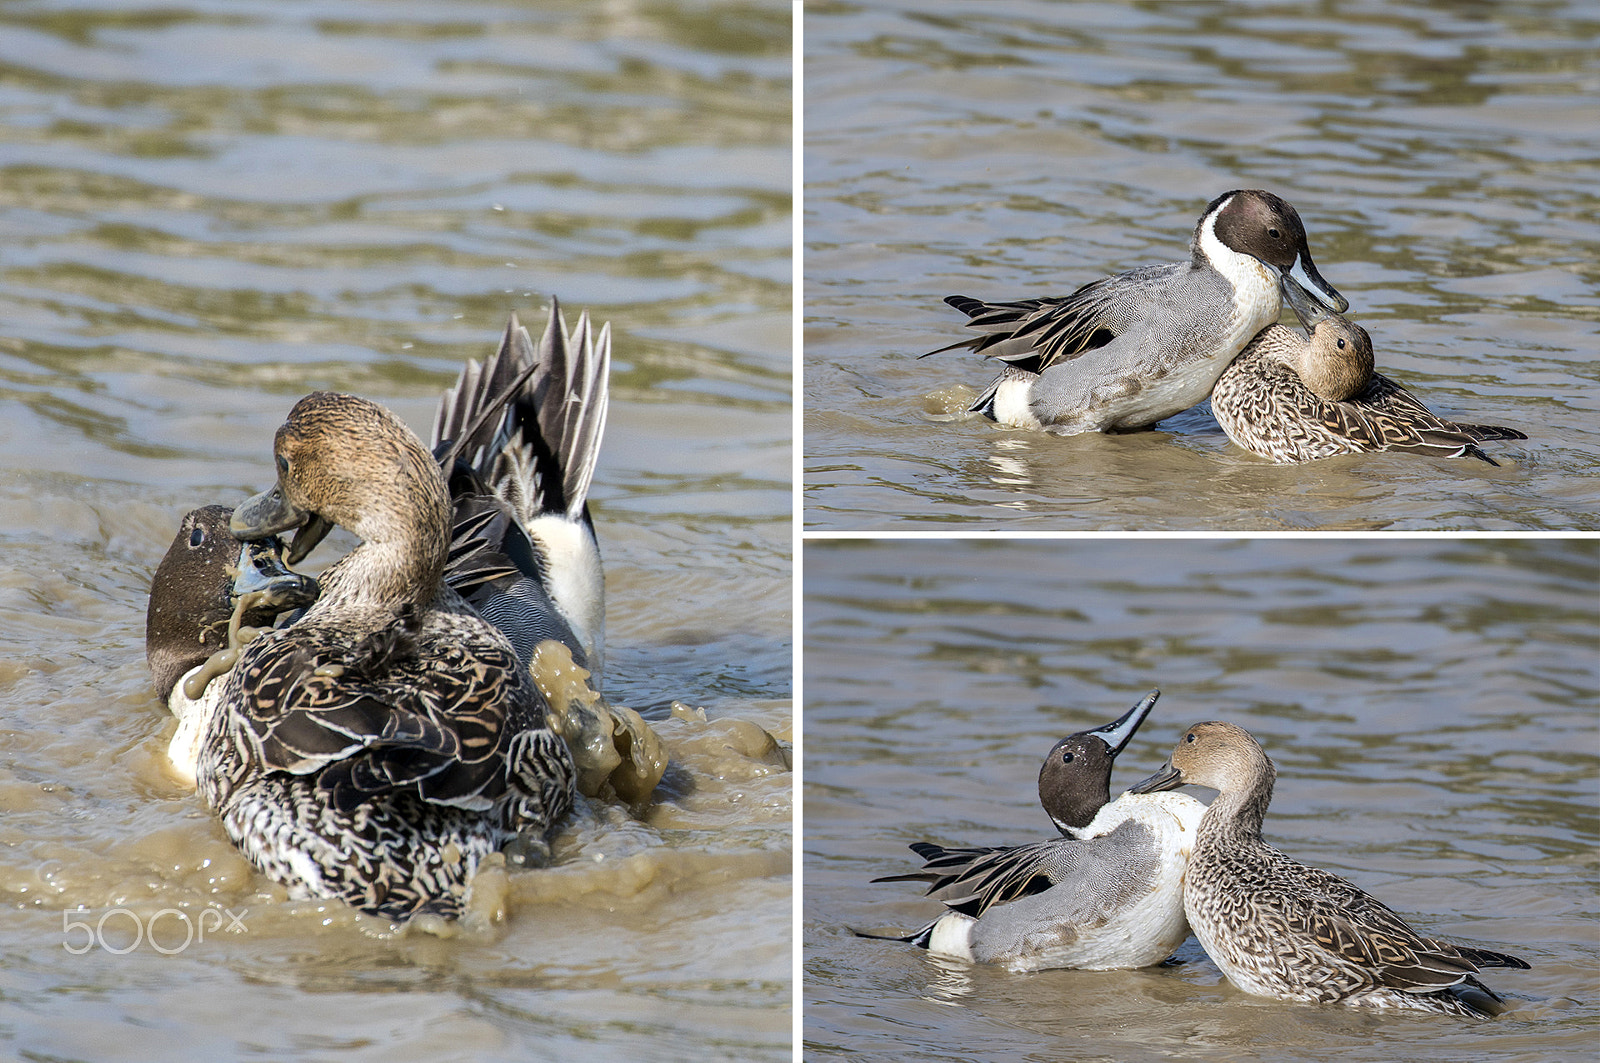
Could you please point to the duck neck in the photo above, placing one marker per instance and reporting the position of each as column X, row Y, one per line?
column 402, row 556
column 390, row 573
column 1257, row 297
column 1280, row 345
column 1235, row 817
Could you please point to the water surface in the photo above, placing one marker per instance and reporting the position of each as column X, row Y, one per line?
column 1430, row 706
column 211, row 209
column 1445, row 158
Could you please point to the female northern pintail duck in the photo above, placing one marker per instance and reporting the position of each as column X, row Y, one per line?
column 523, row 548
column 378, row 748
column 1126, row 351
column 1292, row 397
column 1279, row 928
column 209, row 594
column 1108, row 894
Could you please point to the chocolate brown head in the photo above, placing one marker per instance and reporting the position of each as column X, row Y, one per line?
column 193, row 593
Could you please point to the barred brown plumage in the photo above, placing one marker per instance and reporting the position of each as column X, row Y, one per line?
column 381, row 727
column 1278, row 399
column 1280, row 928
column 378, row 747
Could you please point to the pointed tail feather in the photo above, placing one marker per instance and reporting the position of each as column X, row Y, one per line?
column 519, row 437
column 1483, row 432
column 536, row 445
column 919, row 938
column 572, row 402
column 1488, row 958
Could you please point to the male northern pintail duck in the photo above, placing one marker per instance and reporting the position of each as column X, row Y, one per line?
column 1279, row 928
column 1125, row 351
column 1108, row 894
column 518, row 438
column 209, row 593
column 1292, row 397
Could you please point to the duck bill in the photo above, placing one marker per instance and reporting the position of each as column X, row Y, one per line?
column 1306, row 307
column 1118, row 734
column 265, row 514
column 270, row 513
column 312, row 532
column 262, row 572
column 1308, row 295
column 1168, row 778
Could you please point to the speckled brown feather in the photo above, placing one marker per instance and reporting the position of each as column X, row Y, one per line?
column 391, row 722
column 1286, row 929
column 1265, row 405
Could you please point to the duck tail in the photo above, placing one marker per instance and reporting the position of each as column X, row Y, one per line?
column 1476, row 999
column 984, row 403
column 919, row 938
column 529, row 421
column 1482, row 432
column 519, row 437
column 1489, row 958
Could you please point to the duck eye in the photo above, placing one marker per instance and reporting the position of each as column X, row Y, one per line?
column 1274, row 233
column 1341, row 344
column 283, row 464
column 1189, row 737
column 1066, row 758
column 197, row 536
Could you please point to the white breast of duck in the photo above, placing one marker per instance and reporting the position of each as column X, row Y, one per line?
column 1151, row 925
column 1126, row 912
column 1171, row 385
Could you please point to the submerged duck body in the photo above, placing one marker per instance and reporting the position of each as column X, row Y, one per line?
column 1280, row 928
column 1126, row 351
column 377, row 749
column 1105, row 895
column 1290, row 397
column 209, row 594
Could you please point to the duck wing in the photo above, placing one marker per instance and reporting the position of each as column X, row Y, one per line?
column 383, row 716
column 1387, row 417
column 1368, row 943
column 1388, row 397
column 973, row 880
column 1034, row 334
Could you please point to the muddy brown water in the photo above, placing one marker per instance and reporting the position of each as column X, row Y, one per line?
column 1445, row 158
column 1430, row 706
column 207, row 211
